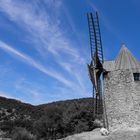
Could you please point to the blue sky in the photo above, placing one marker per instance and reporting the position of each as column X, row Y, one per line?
column 44, row 45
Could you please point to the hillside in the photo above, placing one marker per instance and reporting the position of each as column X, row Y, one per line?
column 39, row 110
column 57, row 119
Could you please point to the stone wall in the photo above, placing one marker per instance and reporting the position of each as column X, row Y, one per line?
column 122, row 99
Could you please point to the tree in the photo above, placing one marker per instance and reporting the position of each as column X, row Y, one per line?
column 20, row 133
column 50, row 124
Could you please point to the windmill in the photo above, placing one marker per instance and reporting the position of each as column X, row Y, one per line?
column 96, row 67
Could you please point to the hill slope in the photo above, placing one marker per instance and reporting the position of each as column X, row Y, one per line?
column 66, row 117
column 39, row 110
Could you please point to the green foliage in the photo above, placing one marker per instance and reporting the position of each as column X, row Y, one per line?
column 11, row 104
column 21, row 134
column 79, row 122
column 57, row 119
column 48, row 124
column 70, row 121
column 9, row 125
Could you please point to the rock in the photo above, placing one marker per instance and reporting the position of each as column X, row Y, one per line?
column 104, row 132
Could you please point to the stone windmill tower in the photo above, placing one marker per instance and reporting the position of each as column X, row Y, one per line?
column 122, row 90
column 116, row 83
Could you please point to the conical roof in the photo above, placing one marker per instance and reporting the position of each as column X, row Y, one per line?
column 126, row 60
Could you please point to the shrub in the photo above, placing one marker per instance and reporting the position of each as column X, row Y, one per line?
column 49, row 125
column 20, row 133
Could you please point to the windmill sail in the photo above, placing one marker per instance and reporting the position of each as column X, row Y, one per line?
column 96, row 66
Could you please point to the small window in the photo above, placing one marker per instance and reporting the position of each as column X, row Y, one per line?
column 136, row 76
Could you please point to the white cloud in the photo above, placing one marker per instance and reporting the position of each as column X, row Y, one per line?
column 33, row 63
column 43, row 27
column 40, row 19
column 39, row 24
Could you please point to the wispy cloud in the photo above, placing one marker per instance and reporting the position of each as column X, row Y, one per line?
column 46, row 34
column 33, row 63
column 42, row 24
column 30, row 91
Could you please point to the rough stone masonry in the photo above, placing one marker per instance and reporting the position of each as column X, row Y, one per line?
column 122, row 91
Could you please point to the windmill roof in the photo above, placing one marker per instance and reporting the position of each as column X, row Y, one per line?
column 125, row 60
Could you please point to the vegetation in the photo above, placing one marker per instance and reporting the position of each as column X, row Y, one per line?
column 22, row 134
column 58, row 119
